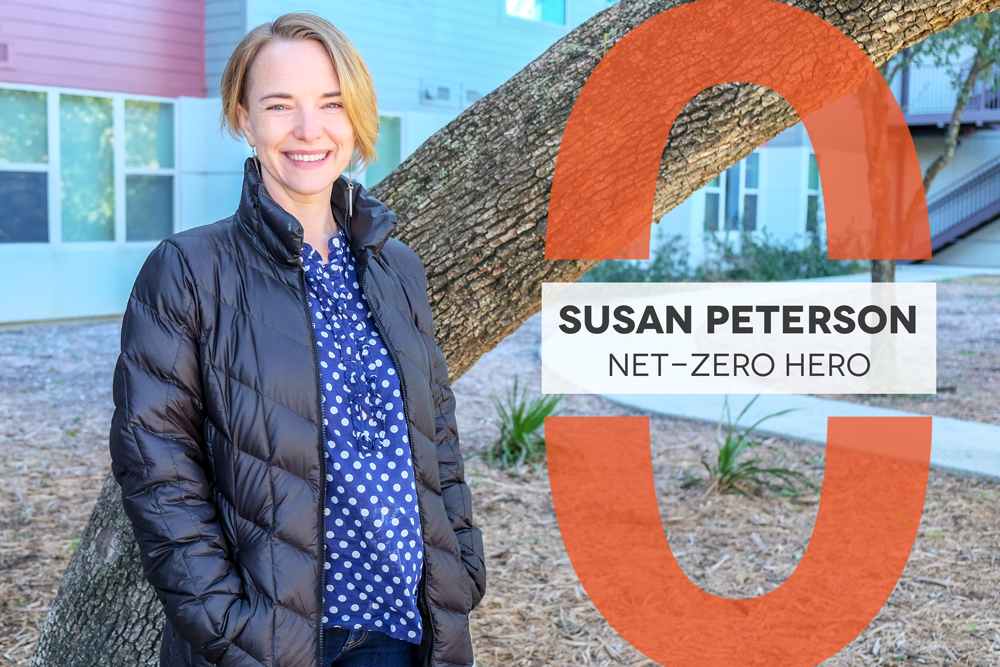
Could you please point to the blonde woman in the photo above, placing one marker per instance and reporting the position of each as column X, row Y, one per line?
column 284, row 432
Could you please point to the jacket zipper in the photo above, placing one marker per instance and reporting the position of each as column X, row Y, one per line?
column 322, row 465
column 421, row 594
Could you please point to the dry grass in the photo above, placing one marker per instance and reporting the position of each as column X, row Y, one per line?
column 55, row 407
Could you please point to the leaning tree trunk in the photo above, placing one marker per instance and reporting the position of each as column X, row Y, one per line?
column 472, row 202
column 951, row 136
column 884, row 270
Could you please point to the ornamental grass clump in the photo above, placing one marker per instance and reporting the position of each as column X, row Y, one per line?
column 749, row 477
column 520, row 421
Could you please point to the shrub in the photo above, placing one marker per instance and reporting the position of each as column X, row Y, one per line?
column 728, row 474
column 520, row 420
column 752, row 256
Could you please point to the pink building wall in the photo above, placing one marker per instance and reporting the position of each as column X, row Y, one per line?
column 148, row 47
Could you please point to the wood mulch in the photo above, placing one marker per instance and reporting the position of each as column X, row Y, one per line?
column 55, row 408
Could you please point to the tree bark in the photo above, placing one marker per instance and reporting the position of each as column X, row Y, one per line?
column 883, row 270
column 472, row 202
column 105, row 612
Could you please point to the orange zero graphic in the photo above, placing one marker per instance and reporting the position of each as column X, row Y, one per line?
column 601, row 207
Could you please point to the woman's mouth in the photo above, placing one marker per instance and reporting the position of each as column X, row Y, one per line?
column 307, row 157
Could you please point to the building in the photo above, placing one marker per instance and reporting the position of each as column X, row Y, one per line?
column 777, row 187
column 109, row 119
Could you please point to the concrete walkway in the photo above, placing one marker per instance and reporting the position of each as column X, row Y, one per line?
column 963, row 447
column 916, row 273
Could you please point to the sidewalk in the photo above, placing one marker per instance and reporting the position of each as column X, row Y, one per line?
column 915, row 273
column 963, row 447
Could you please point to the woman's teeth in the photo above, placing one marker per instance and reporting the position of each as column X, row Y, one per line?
column 307, row 158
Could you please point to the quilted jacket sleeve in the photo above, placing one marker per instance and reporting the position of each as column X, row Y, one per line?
column 158, row 458
column 454, row 491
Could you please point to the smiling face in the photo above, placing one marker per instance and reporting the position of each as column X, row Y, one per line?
column 294, row 116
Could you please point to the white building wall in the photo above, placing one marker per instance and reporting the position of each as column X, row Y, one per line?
column 781, row 202
column 407, row 44
column 211, row 164
column 973, row 150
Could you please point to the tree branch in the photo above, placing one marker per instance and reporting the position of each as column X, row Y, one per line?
column 472, row 200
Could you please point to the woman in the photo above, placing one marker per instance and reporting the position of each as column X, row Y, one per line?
column 284, row 432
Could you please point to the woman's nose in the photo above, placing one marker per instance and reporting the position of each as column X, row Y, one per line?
column 308, row 128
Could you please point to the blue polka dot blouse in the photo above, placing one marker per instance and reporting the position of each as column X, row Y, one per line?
column 374, row 550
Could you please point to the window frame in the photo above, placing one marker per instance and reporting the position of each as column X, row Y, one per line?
column 363, row 177
column 520, row 21
column 720, row 191
column 54, row 166
column 812, row 192
column 745, row 190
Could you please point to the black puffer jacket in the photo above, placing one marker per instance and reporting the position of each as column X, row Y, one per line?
column 217, row 437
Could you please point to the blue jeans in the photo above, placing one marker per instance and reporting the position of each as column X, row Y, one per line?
column 365, row 648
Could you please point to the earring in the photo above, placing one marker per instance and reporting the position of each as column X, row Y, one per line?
column 350, row 189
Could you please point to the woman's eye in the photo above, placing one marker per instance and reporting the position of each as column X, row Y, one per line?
column 277, row 107
column 336, row 105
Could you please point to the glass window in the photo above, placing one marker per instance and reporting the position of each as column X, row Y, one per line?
column 812, row 197
column 751, row 181
column 149, row 135
column 550, row 11
column 711, row 211
column 25, row 197
column 87, row 168
column 149, row 207
column 812, row 213
column 24, row 120
column 752, row 170
column 733, row 197
column 749, row 212
column 389, row 149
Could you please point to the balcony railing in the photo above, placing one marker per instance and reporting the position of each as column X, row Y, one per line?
column 928, row 97
column 965, row 205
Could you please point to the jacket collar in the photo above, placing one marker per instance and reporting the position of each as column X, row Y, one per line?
column 279, row 235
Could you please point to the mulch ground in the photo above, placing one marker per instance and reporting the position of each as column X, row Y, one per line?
column 968, row 356
column 55, row 407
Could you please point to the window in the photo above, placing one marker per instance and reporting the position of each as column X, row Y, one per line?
column 149, row 183
column 87, row 158
column 712, row 205
column 812, row 196
column 751, row 179
column 389, row 149
column 733, row 197
column 24, row 166
column 549, row 11
column 732, row 200
column 110, row 176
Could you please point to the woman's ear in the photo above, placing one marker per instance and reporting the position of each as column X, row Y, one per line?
column 244, row 120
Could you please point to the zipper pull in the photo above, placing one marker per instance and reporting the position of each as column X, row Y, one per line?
column 350, row 198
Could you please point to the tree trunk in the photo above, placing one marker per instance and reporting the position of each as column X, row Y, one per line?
column 883, row 270
column 472, row 202
column 951, row 136
column 105, row 612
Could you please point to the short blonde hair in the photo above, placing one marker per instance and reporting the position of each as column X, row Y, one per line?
column 356, row 85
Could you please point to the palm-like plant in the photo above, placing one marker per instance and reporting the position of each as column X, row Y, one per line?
column 749, row 477
column 520, row 420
